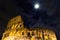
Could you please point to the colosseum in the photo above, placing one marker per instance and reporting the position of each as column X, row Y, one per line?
column 17, row 31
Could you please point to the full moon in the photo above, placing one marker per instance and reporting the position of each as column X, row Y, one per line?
column 36, row 6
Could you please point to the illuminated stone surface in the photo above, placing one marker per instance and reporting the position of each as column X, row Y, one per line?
column 16, row 31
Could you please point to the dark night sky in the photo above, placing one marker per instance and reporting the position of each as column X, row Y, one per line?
column 48, row 15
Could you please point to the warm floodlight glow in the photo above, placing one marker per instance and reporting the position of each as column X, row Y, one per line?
column 16, row 31
column 36, row 6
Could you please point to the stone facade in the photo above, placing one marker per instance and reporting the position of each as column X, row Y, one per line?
column 16, row 31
